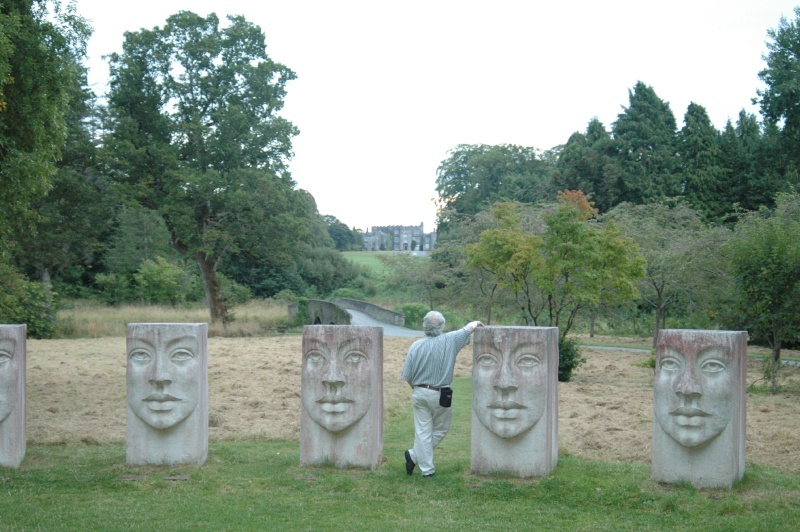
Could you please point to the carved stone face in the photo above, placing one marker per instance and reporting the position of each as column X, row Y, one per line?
column 509, row 381
column 9, row 375
column 693, row 389
column 337, row 380
column 163, row 376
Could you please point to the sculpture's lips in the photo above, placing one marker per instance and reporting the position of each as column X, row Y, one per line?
column 506, row 405
column 335, row 399
column 160, row 397
column 689, row 412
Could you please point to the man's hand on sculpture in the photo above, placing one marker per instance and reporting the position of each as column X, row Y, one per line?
column 474, row 325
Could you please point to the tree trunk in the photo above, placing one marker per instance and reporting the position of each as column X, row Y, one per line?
column 776, row 360
column 591, row 323
column 657, row 326
column 216, row 302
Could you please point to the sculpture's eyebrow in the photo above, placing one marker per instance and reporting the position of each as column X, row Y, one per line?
column 349, row 345
column 141, row 342
column 714, row 351
column 533, row 348
column 188, row 339
column 317, row 345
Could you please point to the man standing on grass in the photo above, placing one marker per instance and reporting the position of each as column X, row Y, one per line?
column 429, row 370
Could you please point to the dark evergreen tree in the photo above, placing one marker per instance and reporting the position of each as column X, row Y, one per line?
column 588, row 163
column 701, row 170
column 646, row 145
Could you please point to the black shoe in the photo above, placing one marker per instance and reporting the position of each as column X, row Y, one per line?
column 409, row 464
column 428, row 476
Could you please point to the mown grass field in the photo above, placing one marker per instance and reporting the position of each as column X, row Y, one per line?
column 259, row 485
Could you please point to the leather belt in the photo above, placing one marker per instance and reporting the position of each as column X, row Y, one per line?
column 429, row 387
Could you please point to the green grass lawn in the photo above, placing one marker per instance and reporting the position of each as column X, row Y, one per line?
column 259, row 485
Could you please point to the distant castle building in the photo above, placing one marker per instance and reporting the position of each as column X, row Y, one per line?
column 399, row 238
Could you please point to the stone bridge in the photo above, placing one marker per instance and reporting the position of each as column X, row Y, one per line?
column 354, row 312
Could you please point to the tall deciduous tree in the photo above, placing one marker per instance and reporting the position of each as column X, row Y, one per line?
column 765, row 259
column 645, row 136
column 40, row 47
column 474, row 177
column 665, row 233
column 569, row 265
column 200, row 140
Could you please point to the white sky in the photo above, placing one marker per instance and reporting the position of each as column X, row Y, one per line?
column 385, row 89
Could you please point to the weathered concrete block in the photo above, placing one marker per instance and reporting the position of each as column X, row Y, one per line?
column 167, row 390
column 699, row 407
column 341, row 421
column 13, row 351
column 515, row 401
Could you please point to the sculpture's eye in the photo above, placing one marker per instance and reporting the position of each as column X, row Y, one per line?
column 315, row 358
column 140, row 356
column 528, row 361
column 5, row 357
column 713, row 365
column 486, row 360
column 354, row 357
column 670, row 364
column 181, row 355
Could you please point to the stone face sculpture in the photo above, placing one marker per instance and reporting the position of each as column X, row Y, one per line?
column 699, row 407
column 12, row 394
column 341, row 421
column 515, row 401
column 167, row 392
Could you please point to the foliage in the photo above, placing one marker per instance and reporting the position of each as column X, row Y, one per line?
column 114, row 288
column 159, row 281
column 780, row 100
column 197, row 137
column 669, row 235
column 569, row 358
column 573, row 264
column 701, row 164
column 473, row 177
column 764, row 256
column 325, row 269
column 418, row 276
column 40, row 44
column 414, row 314
column 645, row 136
column 588, row 162
column 27, row 302
column 344, row 238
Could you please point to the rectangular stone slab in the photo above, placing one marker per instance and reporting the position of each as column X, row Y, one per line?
column 13, row 353
column 699, row 407
column 514, row 401
column 341, row 413
column 167, row 393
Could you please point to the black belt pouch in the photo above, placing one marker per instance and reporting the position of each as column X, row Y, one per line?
column 446, row 397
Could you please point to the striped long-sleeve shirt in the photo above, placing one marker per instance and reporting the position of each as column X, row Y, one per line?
column 431, row 359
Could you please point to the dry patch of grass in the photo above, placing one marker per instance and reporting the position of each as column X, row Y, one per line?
column 83, row 319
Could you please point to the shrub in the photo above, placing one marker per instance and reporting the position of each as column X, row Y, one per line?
column 569, row 358
column 160, row 281
column 413, row 312
column 235, row 293
column 114, row 288
column 23, row 301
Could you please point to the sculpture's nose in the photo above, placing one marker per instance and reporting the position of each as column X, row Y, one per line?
column 160, row 371
column 506, row 381
column 688, row 385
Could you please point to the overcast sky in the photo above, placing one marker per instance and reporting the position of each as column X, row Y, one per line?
column 386, row 88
